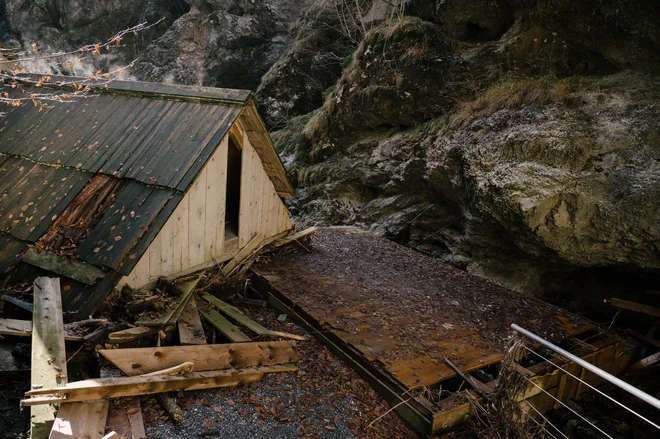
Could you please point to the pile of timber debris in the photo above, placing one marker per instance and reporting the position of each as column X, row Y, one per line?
column 147, row 342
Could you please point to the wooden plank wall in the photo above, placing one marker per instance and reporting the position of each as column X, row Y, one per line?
column 194, row 234
column 262, row 210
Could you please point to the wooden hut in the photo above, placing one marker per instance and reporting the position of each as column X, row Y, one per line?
column 137, row 182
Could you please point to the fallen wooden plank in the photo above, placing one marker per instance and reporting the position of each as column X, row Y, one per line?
column 243, row 254
column 130, row 334
column 634, row 306
column 293, row 237
column 235, row 314
column 225, row 326
column 134, row 413
column 111, row 435
column 23, row 328
column 171, row 316
column 67, row 267
column 646, row 362
column 191, row 331
column 17, row 302
column 136, row 361
column 80, row 420
column 140, row 385
column 48, row 351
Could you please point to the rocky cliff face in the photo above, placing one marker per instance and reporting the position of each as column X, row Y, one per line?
column 515, row 138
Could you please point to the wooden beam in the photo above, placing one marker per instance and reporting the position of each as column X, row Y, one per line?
column 191, row 331
column 137, row 361
column 243, row 254
column 646, row 362
column 235, row 314
column 130, row 334
column 141, row 385
column 67, row 267
column 23, row 328
column 48, row 351
column 645, row 338
column 80, row 420
column 134, row 412
column 225, row 326
column 294, row 237
column 171, row 316
column 634, row 306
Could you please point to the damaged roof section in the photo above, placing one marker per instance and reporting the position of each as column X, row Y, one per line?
column 91, row 182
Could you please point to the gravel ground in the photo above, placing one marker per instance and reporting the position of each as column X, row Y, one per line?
column 324, row 399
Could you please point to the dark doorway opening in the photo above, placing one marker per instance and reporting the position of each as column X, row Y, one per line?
column 233, row 198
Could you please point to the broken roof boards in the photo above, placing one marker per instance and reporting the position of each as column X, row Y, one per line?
column 132, row 184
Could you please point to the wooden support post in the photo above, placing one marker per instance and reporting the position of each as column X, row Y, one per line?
column 48, row 351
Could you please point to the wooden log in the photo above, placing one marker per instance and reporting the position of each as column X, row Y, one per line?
column 80, row 420
column 137, row 361
column 23, row 328
column 140, row 385
column 225, row 326
column 235, row 314
column 169, row 404
column 48, row 351
column 17, row 302
column 243, row 254
column 634, row 306
column 67, row 267
column 191, row 331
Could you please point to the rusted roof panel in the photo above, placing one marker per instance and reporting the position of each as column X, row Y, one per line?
column 32, row 195
column 154, row 141
column 124, row 223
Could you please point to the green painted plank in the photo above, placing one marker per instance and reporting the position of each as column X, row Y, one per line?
column 235, row 314
column 225, row 326
column 63, row 266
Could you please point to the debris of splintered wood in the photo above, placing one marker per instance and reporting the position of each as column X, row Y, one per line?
column 235, row 314
column 143, row 304
column 23, row 328
column 17, row 302
column 471, row 382
column 191, row 331
column 172, row 315
column 48, row 351
column 634, row 306
column 80, row 420
column 140, row 385
column 293, row 237
column 101, row 333
column 136, row 361
column 243, row 254
column 130, row 334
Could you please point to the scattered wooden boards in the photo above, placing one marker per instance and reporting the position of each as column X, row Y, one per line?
column 23, row 328
column 243, row 254
column 80, row 420
column 48, row 351
column 146, row 385
column 235, row 314
column 205, row 357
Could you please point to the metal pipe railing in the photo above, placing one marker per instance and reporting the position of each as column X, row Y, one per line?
column 591, row 368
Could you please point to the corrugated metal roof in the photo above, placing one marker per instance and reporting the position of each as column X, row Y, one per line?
column 157, row 142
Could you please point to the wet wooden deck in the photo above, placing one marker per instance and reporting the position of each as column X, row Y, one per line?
column 405, row 311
